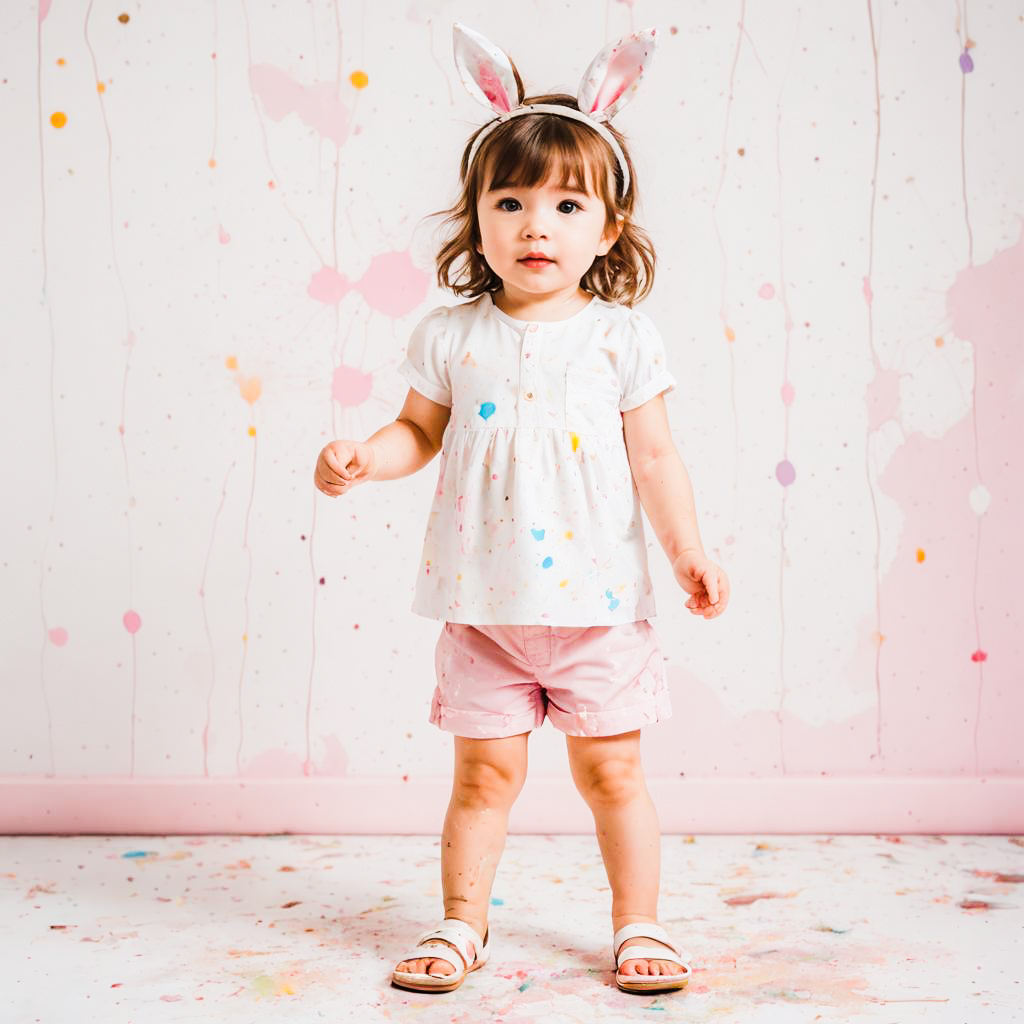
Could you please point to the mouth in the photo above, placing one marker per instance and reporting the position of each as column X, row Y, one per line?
column 535, row 261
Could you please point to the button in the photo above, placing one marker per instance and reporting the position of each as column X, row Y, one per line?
column 533, row 327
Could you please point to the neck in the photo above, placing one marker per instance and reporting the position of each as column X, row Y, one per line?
column 549, row 306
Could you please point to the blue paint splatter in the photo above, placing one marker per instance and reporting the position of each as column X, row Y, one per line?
column 548, row 562
column 537, row 534
column 613, row 601
column 136, row 853
column 525, row 985
column 496, row 902
column 487, row 410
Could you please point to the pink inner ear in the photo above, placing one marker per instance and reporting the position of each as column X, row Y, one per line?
column 488, row 80
column 624, row 69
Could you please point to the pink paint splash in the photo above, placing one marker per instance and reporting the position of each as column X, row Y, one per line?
column 392, row 285
column 132, row 621
column 351, row 387
column 317, row 106
column 58, row 636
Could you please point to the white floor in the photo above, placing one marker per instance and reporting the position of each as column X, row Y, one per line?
column 305, row 928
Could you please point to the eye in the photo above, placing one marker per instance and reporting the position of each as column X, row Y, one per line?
column 501, row 207
column 569, row 202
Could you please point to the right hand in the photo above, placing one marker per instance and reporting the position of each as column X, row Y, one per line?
column 344, row 464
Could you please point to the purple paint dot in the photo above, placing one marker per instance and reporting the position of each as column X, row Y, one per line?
column 966, row 64
column 785, row 472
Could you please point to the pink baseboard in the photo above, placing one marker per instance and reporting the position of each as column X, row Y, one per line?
column 375, row 806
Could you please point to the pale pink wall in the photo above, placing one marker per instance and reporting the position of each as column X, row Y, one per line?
column 215, row 252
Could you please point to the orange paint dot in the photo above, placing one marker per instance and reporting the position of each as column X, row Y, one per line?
column 920, row 554
column 939, row 342
column 730, row 334
column 252, row 431
column 568, row 534
column 61, row 62
column 211, row 162
column 575, row 440
column 100, row 87
column 231, row 363
column 123, row 18
column 359, row 79
column 250, row 388
column 58, row 120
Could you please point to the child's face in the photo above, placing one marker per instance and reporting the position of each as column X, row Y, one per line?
column 566, row 225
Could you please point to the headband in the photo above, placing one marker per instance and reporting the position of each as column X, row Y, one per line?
column 605, row 88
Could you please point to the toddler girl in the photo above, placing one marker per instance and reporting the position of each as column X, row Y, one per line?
column 543, row 395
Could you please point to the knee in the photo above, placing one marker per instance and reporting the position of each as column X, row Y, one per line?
column 482, row 784
column 610, row 783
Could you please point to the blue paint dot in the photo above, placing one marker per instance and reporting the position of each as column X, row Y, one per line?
column 136, row 853
column 537, row 534
column 614, row 601
column 487, row 410
column 497, row 903
column 548, row 562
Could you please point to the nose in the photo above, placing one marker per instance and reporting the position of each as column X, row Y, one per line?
column 535, row 226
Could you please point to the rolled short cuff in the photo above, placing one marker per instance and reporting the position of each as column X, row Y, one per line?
column 483, row 725
column 613, row 721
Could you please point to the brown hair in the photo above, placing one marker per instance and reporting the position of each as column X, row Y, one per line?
column 523, row 152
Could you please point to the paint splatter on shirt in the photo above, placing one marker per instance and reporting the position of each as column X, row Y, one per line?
column 535, row 519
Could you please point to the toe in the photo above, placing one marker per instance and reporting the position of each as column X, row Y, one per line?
column 439, row 968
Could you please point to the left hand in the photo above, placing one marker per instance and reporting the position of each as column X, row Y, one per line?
column 705, row 582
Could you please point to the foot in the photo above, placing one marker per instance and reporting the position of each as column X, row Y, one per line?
column 430, row 965
column 641, row 965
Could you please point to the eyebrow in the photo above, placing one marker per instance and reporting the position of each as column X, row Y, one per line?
column 560, row 188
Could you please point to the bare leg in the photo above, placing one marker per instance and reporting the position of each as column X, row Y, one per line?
column 609, row 776
column 488, row 777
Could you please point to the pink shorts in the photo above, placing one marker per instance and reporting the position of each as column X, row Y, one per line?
column 495, row 681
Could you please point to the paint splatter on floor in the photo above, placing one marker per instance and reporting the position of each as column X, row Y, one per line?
column 795, row 929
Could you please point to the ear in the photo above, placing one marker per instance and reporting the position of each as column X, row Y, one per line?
column 486, row 70
column 614, row 74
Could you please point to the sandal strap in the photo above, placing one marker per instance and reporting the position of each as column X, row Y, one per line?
column 644, row 929
column 458, row 933
column 647, row 953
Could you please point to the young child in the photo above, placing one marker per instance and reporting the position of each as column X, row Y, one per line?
column 543, row 395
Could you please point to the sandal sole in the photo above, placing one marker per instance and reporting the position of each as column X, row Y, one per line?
column 652, row 988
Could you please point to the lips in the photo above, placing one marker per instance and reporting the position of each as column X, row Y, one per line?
column 534, row 256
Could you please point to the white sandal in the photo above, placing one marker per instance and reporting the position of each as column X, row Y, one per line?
column 460, row 935
column 648, row 982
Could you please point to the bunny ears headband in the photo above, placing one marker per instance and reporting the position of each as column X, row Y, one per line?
column 605, row 88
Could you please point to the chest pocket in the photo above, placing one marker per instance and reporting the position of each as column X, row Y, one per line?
column 591, row 401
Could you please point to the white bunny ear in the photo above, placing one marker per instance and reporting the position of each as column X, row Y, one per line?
column 485, row 70
column 614, row 74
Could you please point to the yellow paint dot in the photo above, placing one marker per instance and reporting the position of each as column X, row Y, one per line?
column 563, row 583
column 575, row 440
column 100, row 87
column 359, row 79
column 920, row 554
column 61, row 62
column 568, row 534
column 252, row 431
column 730, row 334
column 58, row 120
column 459, row 577
column 231, row 363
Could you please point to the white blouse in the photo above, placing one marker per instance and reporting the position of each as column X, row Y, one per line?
column 536, row 519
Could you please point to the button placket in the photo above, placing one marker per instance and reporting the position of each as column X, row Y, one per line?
column 528, row 366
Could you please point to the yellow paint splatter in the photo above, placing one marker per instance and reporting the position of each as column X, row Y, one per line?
column 575, row 440
column 568, row 534
column 730, row 334
column 359, row 79
column 58, row 119
column 563, row 583
column 252, row 431
column 920, row 554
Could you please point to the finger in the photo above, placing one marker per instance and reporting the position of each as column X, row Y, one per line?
column 711, row 582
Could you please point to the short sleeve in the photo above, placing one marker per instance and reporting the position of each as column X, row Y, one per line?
column 643, row 367
column 425, row 367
